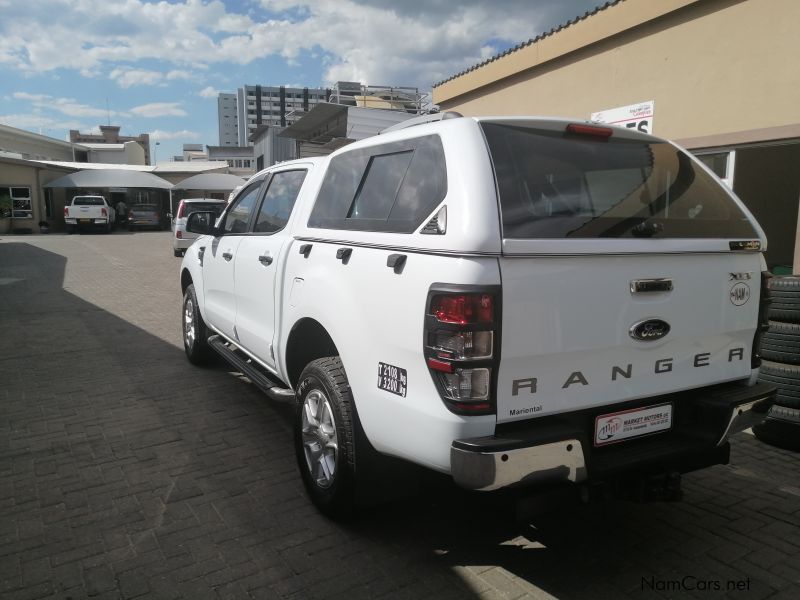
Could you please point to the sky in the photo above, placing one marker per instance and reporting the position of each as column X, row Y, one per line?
column 157, row 67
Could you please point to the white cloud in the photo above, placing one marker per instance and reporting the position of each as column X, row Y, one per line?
column 67, row 106
column 159, row 136
column 179, row 74
column 415, row 42
column 159, row 109
column 126, row 78
column 38, row 122
column 208, row 92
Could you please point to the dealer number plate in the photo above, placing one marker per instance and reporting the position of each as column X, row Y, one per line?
column 392, row 379
column 616, row 427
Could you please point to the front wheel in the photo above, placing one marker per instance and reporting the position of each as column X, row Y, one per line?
column 324, row 436
column 195, row 332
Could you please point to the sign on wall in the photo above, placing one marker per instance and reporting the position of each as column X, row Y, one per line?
column 634, row 116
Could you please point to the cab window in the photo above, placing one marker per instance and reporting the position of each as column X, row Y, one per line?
column 279, row 201
column 238, row 217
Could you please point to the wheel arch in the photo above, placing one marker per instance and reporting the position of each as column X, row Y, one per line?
column 186, row 280
column 308, row 340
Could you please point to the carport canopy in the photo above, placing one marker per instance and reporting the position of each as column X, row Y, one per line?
column 213, row 182
column 110, row 178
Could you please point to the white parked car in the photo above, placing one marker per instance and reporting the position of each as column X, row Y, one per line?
column 89, row 212
column 182, row 239
column 511, row 301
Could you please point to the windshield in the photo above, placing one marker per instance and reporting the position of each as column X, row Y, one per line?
column 87, row 201
column 557, row 185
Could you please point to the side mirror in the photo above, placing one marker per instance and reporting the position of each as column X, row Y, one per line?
column 201, row 222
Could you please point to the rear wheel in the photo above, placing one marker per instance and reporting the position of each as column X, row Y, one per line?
column 178, row 253
column 195, row 332
column 324, row 436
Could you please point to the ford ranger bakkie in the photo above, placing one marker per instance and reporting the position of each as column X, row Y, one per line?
column 512, row 301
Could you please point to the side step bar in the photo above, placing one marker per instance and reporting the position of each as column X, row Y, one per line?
column 251, row 370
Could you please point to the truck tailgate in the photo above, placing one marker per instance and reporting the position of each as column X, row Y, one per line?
column 570, row 328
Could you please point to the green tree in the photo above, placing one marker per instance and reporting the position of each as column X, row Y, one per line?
column 5, row 203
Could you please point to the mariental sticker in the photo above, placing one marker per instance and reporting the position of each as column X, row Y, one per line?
column 392, row 379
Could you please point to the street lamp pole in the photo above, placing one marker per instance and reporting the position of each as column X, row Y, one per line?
column 155, row 154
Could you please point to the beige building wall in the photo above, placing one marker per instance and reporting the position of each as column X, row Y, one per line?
column 713, row 67
column 34, row 146
column 15, row 173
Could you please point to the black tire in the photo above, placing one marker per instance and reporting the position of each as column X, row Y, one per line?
column 779, row 433
column 195, row 332
column 784, row 296
column 785, row 284
column 324, row 430
column 781, row 343
column 178, row 253
column 787, row 380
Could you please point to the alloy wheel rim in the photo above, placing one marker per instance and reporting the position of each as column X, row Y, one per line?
column 188, row 323
column 320, row 442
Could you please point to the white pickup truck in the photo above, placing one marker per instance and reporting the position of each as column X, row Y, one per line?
column 89, row 211
column 511, row 301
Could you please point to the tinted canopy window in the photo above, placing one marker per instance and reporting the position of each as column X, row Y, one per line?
column 215, row 207
column 87, row 201
column 557, row 185
column 392, row 187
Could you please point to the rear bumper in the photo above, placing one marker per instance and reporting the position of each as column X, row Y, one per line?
column 559, row 449
column 182, row 243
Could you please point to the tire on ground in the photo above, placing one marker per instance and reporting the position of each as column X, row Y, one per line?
column 787, row 380
column 779, row 433
column 781, row 343
column 195, row 332
column 324, row 429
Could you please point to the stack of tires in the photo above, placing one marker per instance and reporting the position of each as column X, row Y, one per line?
column 780, row 351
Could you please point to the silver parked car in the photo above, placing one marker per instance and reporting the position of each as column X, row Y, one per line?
column 144, row 215
column 181, row 239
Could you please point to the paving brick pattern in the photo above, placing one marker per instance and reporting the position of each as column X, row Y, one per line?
column 127, row 473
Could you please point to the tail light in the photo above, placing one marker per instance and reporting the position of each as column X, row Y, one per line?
column 590, row 130
column 179, row 234
column 103, row 212
column 181, row 209
column 66, row 211
column 462, row 327
column 763, row 319
column 131, row 216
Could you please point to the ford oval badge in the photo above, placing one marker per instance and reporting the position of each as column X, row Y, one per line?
column 649, row 330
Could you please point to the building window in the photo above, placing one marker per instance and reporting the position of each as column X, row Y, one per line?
column 20, row 200
column 721, row 163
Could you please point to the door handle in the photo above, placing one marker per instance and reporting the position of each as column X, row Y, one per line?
column 265, row 259
column 227, row 255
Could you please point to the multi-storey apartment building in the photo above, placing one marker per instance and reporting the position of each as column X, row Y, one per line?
column 240, row 114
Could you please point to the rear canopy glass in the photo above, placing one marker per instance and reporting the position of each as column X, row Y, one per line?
column 559, row 185
column 215, row 207
column 87, row 201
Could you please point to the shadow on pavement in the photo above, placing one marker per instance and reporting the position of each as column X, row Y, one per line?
column 129, row 473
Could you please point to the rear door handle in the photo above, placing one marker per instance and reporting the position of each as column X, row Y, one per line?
column 265, row 259
column 227, row 255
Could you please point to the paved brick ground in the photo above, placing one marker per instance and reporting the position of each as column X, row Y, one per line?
column 127, row 473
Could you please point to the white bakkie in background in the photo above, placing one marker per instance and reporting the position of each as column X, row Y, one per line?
column 89, row 211
column 512, row 301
